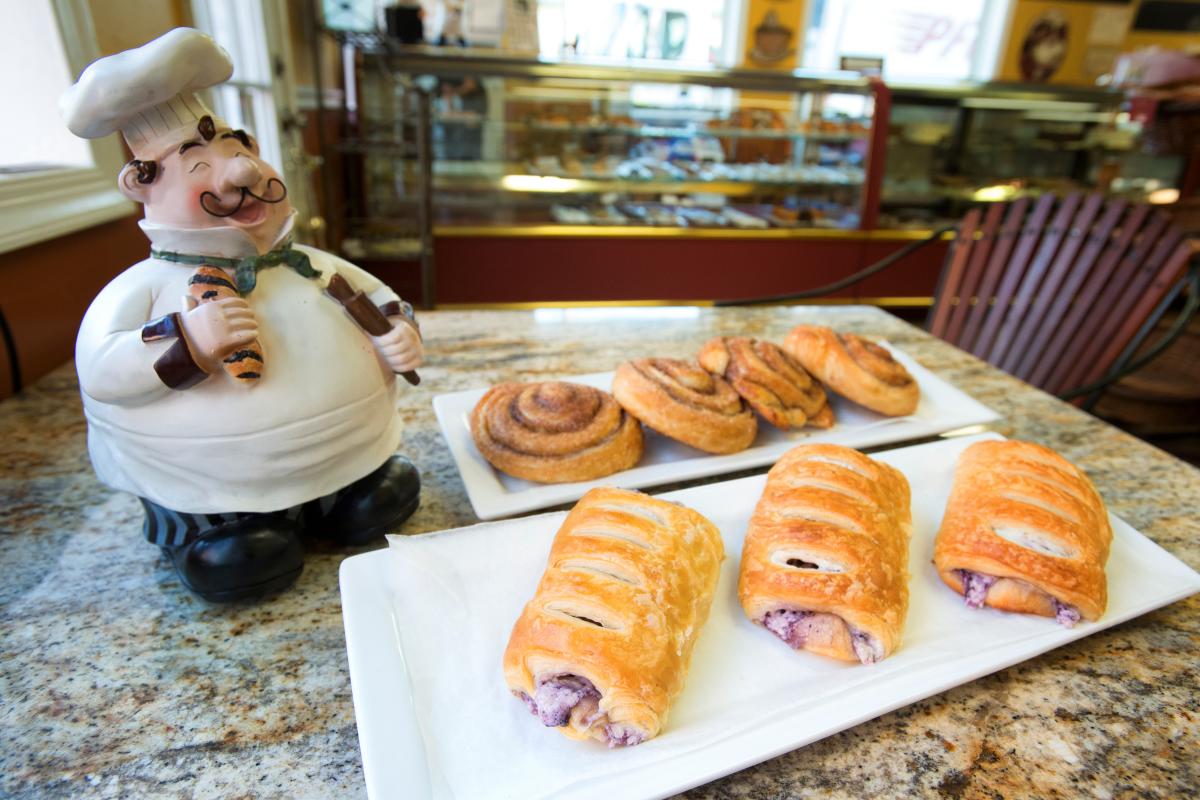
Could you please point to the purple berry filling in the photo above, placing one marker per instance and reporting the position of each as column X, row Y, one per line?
column 795, row 628
column 975, row 589
column 558, row 696
column 1066, row 615
column 619, row 736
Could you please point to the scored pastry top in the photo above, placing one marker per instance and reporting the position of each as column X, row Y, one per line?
column 830, row 536
column 627, row 587
column 1019, row 510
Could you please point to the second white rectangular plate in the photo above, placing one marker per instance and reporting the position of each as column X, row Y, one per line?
column 428, row 619
column 493, row 494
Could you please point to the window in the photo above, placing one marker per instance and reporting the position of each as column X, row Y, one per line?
column 691, row 31
column 919, row 40
column 51, row 182
column 260, row 96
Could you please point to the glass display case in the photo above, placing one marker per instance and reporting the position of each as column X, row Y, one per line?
column 481, row 140
column 950, row 147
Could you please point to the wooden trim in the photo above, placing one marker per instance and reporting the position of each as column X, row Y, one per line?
column 644, row 232
column 882, row 302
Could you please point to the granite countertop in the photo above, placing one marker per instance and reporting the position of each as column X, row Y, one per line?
column 115, row 682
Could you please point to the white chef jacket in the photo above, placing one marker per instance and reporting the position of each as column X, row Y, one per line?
column 322, row 416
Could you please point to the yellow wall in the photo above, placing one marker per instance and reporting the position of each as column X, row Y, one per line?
column 1091, row 45
column 790, row 14
column 122, row 24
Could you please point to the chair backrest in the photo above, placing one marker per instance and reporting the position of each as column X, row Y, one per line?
column 1053, row 291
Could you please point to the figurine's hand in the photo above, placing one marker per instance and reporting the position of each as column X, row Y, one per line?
column 215, row 329
column 401, row 346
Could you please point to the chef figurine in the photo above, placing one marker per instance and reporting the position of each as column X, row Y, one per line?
column 223, row 383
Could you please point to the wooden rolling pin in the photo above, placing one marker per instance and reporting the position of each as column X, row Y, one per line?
column 365, row 313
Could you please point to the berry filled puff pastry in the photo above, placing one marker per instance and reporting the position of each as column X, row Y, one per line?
column 603, row 647
column 825, row 564
column 1025, row 531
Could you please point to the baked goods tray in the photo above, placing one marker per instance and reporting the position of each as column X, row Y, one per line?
column 493, row 494
column 427, row 621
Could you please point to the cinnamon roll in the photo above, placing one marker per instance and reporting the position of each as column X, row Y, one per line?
column 681, row 400
column 855, row 368
column 555, row 432
column 770, row 380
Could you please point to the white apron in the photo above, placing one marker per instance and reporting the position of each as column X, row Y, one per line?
column 322, row 416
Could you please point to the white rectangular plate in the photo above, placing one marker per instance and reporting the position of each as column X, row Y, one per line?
column 494, row 494
column 427, row 621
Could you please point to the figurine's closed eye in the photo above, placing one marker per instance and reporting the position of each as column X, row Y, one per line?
column 197, row 166
column 241, row 136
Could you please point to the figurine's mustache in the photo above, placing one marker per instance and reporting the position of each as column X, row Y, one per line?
column 207, row 197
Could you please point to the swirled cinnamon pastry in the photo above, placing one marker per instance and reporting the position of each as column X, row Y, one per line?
column 772, row 382
column 555, row 432
column 855, row 368
column 1025, row 531
column 680, row 399
column 603, row 647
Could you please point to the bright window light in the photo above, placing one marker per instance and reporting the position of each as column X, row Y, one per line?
column 33, row 74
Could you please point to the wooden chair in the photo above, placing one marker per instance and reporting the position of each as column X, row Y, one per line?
column 1059, row 293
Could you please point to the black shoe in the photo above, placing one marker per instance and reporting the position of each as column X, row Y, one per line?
column 372, row 506
column 249, row 558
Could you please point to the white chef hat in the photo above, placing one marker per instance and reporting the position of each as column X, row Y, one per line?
column 148, row 93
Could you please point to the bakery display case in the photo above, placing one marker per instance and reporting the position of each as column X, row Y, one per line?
column 954, row 146
column 649, row 181
column 495, row 142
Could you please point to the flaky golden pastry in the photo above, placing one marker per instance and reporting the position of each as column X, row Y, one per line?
column 603, row 647
column 555, row 432
column 1025, row 531
column 681, row 400
column 771, row 381
column 825, row 563
column 855, row 368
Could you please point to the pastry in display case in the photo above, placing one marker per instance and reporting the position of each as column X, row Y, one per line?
column 509, row 142
column 950, row 147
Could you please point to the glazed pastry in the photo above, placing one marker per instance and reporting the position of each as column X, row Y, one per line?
column 603, row 647
column 555, row 432
column 680, row 400
column 1025, row 531
column 769, row 380
column 825, row 563
column 855, row 368
column 209, row 284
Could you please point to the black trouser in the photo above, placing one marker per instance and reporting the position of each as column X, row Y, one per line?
column 168, row 528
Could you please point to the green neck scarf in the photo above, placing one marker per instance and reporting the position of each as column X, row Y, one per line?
column 246, row 269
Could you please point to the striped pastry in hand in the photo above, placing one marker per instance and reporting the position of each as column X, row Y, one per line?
column 770, row 380
column 825, row 563
column 681, row 400
column 555, row 432
column 1025, row 531
column 603, row 648
column 856, row 368
column 208, row 284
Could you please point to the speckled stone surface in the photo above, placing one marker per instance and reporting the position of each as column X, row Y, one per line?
column 115, row 682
